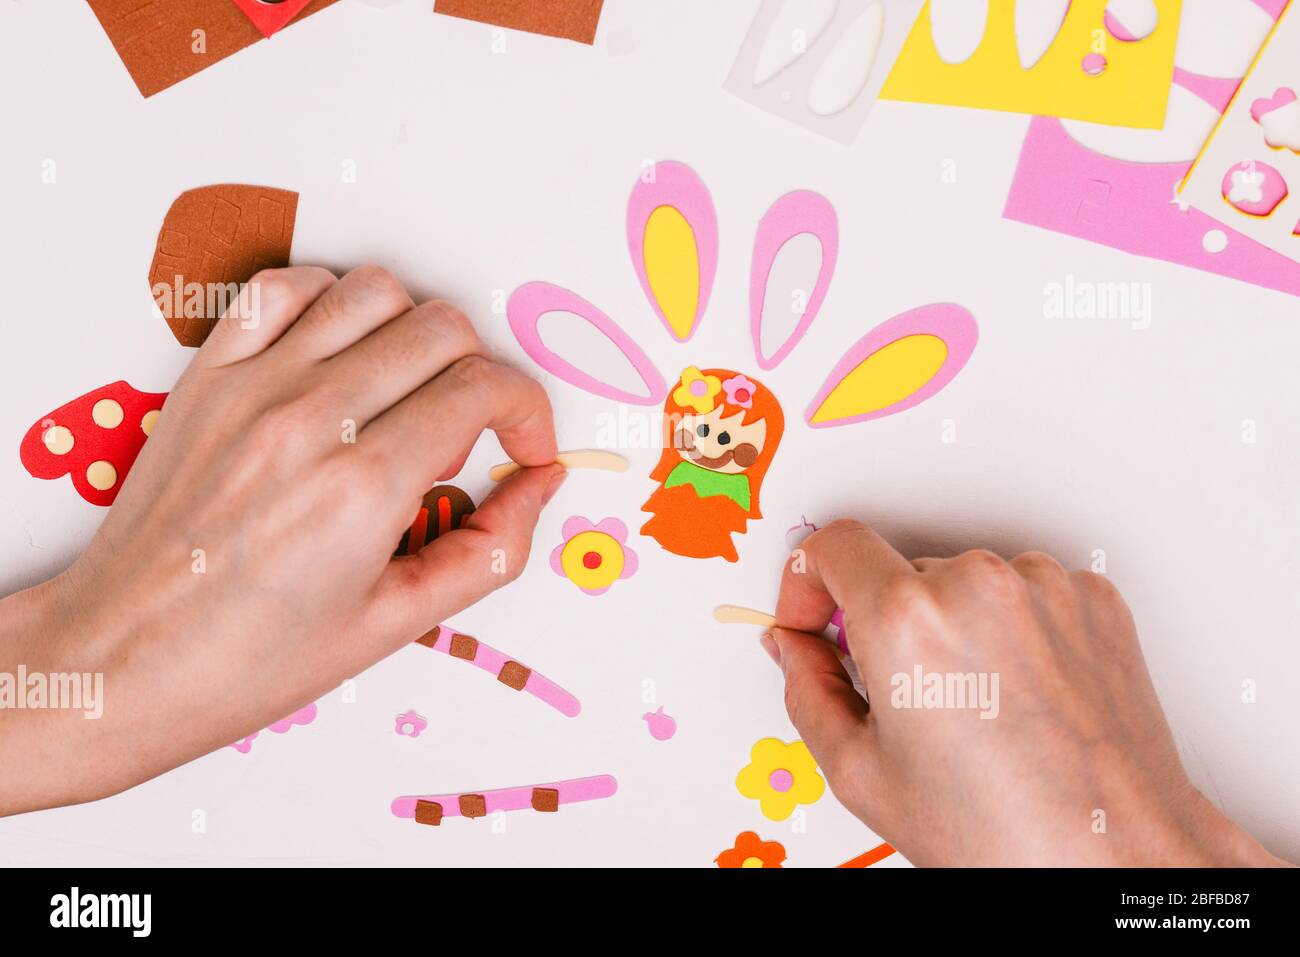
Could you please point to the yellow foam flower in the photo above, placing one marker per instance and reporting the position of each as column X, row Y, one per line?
column 697, row 391
column 780, row 776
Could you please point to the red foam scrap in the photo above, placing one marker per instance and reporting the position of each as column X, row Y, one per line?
column 270, row 18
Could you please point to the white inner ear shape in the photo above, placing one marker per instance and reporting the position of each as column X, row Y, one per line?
column 579, row 342
column 789, row 286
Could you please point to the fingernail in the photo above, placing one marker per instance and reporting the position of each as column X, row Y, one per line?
column 554, row 487
column 771, row 647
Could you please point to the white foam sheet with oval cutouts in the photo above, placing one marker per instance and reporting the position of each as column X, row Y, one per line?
column 819, row 64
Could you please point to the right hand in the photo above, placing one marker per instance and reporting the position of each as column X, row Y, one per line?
column 1079, row 741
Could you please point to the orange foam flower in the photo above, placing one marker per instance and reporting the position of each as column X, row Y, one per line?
column 752, row 851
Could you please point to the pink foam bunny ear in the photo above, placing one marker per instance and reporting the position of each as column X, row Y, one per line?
column 532, row 301
column 896, row 366
column 794, row 214
column 672, row 235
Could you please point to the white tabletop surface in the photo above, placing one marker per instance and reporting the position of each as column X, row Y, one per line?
column 478, row 170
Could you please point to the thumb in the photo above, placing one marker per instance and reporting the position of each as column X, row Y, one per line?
column 827, row 710
column 464, row 566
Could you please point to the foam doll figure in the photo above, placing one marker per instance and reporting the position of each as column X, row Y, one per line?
column 721, row 430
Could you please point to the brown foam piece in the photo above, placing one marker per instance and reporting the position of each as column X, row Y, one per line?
column 514, row 675
column 463, row 646
column 473, row 805
column 443, row 510
column 546, row 800
column 156, row 39
column 217, row 235
column 428, row 812
column 569, row 19
column 429, row 639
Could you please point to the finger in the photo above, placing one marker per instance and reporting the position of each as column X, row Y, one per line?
column 400, row 356
column 350, row 310
column 444, row 417
column 843, row 565
column 266, row 306
column 830, row 715
column 464, row 566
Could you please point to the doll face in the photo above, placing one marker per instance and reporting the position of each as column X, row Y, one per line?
column 718, row 444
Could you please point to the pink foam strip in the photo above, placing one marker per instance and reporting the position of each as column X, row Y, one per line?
column 532, row 301
column 946, row 320
column 794, row 214
column 1214, row 90
column 513, row 799
column 491, row 660
column 676, row 185
column 1273, row 8
column 1065, row 187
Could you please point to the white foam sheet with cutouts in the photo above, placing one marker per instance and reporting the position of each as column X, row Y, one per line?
column 821, row 63
column 1241, row 138
column 1168, row 452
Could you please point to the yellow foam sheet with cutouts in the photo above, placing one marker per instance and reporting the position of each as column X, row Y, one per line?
column 1133, row 90
column 672, row 266
column 887, row 376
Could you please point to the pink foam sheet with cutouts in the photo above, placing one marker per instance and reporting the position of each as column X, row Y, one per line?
column 1067, row 188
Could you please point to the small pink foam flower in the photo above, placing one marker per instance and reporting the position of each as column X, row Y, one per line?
column 740, row 392
column 410, row 724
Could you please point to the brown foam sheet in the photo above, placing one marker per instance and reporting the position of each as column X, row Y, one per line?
column 155, row 38
column 220, row 234
column 569, row 19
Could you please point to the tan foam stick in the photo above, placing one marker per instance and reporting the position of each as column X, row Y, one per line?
column 736, row 615
column 583, row 459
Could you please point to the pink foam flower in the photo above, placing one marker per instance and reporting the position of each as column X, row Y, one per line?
column 740, row 392
column 411, row 724
column 1265, row 105
column 594, row 556
column 302, row 716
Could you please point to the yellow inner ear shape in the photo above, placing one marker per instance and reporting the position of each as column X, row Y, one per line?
column 672, row 266
column 887, row 376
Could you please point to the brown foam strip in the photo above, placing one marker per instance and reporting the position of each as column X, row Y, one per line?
column 473, row 805
column 546, row 800
column 568, row 19
column 217, row 235
column 514, row 675
column 156, row 38
column 428, row 812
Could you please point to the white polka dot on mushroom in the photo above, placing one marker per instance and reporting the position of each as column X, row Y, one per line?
column 59, row 440
column 101, row 475
column 107, row 414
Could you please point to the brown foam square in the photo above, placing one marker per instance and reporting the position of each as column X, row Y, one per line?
column 463, row 646
column 156, row 39
column 429, row 639
column 569, row 19
column 428, row 812
column 514, row 675
column 546, row 800
column 473, row 805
